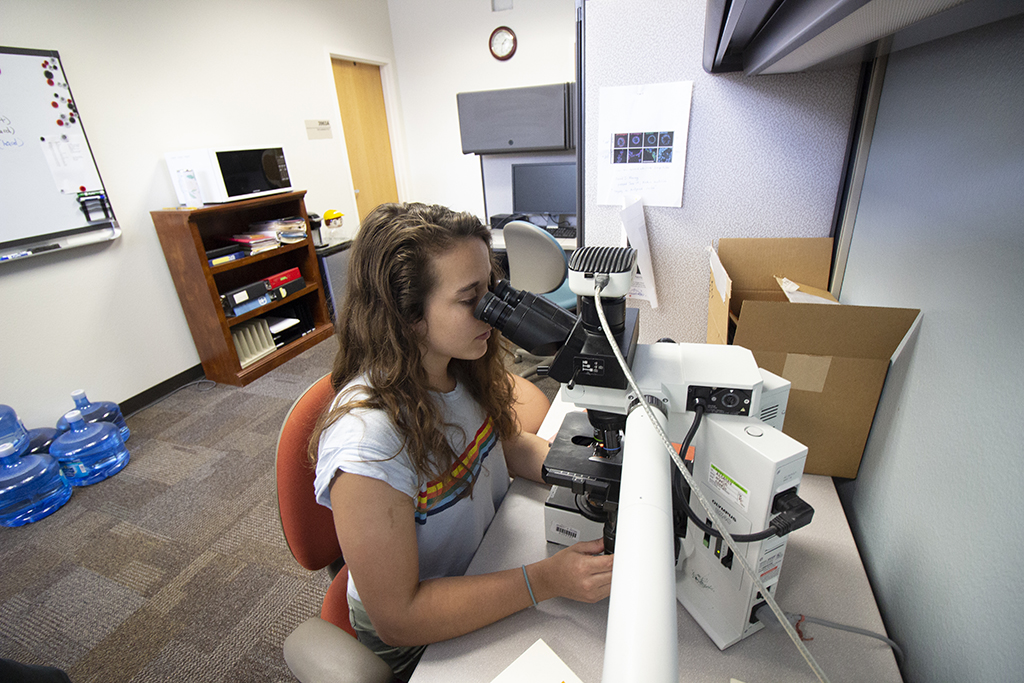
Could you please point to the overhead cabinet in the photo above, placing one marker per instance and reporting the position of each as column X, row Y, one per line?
column 530, row 119
column 786, row 36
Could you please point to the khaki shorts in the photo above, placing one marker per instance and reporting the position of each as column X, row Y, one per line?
column 402, row 660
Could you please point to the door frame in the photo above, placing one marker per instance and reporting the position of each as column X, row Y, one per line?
column 392, row 112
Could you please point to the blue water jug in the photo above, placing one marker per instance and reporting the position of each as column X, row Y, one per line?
column 31, row 486
column 39, row 440
column 89, row 452
column 11, row 429
column 100, row 411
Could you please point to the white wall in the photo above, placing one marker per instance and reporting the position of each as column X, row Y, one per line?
column 150, row 78
column 441, row 50
column 764, row 157
column 940, row 227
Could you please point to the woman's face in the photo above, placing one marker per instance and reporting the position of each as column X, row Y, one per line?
column 448, row 329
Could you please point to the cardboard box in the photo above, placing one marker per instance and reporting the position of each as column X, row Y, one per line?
column 835, row 356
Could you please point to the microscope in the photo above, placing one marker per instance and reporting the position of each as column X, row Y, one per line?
column 712, row 537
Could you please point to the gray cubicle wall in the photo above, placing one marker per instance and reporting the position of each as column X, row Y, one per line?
column 763, row 160
column 764, row 156
column 940, row 227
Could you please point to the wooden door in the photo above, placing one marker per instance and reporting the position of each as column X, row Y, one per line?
column 361, row 100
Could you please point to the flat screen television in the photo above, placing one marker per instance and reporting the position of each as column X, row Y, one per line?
column 545, row 188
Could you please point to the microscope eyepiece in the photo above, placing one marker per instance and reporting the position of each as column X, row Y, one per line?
column 529, row 321
column 493, row 311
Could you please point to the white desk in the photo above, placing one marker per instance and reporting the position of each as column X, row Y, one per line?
column 498, row 241
column 822, row 576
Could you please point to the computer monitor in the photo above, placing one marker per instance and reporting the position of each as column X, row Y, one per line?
column 546, row 188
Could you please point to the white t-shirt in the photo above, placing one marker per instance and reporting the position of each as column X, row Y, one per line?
column 448, row 528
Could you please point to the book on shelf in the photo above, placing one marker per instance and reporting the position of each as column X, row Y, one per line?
column 237, row 301
column 217, row 252
column 250, row 238
column 284, row 276
column 219, row 255
column 258, row 294
column 280, row 292
column 284, row 230
column 227, row 258
column 250, row 305
column 253, row 243
column 259, row 249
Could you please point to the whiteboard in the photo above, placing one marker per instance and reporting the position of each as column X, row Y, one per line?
column 51, row 194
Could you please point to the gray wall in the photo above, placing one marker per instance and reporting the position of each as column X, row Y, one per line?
column 936, row 506
column 764, row 155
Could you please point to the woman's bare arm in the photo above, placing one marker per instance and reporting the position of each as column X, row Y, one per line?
column 376, row 529
column 524, row 455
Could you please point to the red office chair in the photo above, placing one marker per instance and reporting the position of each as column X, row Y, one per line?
column 317, row 651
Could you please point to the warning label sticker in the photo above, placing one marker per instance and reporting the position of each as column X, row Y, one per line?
column 728, row 487
column 770, row 563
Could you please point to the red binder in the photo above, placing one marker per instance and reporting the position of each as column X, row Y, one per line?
column 283, row 277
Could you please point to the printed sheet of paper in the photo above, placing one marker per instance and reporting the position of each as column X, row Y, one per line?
column 70, row 163
column 539, row 664
column 635, row 228
column 641, row 147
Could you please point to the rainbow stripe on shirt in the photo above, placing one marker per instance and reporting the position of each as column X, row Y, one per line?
column 441, row 494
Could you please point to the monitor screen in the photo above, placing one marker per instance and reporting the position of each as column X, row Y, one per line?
column 544, row 188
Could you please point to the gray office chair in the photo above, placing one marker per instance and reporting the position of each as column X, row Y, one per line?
column 537, row 263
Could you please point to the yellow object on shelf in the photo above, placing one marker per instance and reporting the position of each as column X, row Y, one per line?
column 333, row 218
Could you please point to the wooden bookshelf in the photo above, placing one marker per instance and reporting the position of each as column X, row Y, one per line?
column 187, row 234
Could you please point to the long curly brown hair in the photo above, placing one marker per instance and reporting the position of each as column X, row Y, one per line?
column 390, row 278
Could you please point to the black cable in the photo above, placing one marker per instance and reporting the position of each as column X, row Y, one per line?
column 778, row 526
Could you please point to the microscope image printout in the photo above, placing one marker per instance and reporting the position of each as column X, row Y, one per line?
column 641, row 148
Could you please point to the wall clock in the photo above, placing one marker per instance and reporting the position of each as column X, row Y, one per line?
column 502, row 43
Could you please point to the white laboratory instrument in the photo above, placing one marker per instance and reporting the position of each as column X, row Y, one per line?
column 614, row 464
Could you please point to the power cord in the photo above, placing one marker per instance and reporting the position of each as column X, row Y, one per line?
column 794, row 513
column 761, row 615
column 600, row 282
column 199, row 383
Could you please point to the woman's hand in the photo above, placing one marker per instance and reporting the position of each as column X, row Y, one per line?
column 580, row 572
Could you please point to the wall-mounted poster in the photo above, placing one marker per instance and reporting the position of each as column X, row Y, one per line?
column 641, row 147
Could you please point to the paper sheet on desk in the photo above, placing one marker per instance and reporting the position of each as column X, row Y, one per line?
column 539, row 664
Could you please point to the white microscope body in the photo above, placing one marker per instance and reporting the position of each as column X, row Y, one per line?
column 741, row 465
column 746, row 468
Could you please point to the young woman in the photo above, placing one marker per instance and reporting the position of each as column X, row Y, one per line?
column 415, row 454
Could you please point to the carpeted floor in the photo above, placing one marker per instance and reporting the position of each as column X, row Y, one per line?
column 175, row 569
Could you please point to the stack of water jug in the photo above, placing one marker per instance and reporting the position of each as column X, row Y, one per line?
column 39, row 467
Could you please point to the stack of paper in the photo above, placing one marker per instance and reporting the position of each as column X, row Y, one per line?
column 255, row 242
column 284, row 230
